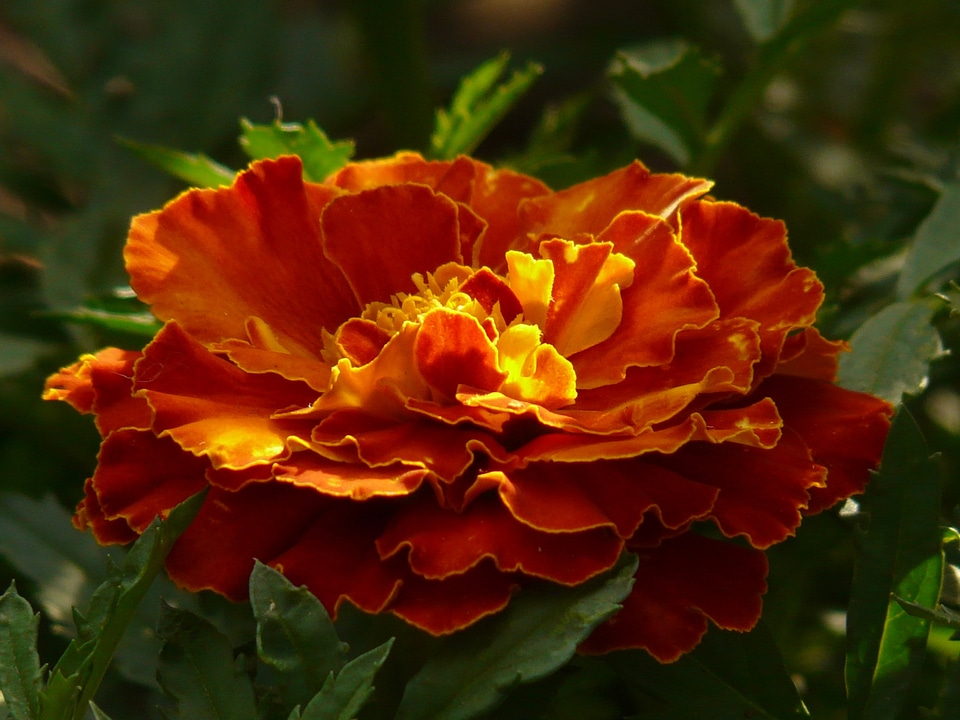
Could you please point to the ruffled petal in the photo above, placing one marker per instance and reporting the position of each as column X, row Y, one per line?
column 102, row 384
column 592, row 205
column 443, row 543
column 140, row 476
column 353, row 481
column 562, row 497
column 497, row 196
column 808, row 354
column 89, row 515
column 679, row 586
column 665, row 298
column 213, row 258
column 379, row 238
column 844, row 430
column 212, row 408
column 762, row 492
column 746, row 262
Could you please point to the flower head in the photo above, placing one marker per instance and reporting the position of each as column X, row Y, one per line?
column 418, row 385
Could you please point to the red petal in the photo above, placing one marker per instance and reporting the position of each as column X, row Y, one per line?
column 844, row 430
column 443, row 543
column 809, row 354
column 213, row 258
column 353, row 481
column 452, row 349
column 140, row 476
column 361, row 340
column 562, row 497
column 488, row 289
column 262, row 520
column 102, row 384
column 90, row 515
column 591, row 206
column 665, row 297
column 212, row 408
column 445, row 606
column 762, row 491
column 746, row 261
column 679, row 585
column 497, row 197
column 381, row 237
column 452, row 178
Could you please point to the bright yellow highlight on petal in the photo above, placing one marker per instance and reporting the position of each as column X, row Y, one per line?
column 537, row 373
column 532, row 282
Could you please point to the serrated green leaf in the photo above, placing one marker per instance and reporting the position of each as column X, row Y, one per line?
column 343, row 697
column 112, row 606
column 662, row 89
column 20, row 680
column 198, row 671
column 320, row 156
column 900, row 554
column 295, row 635
column 764, row 18
column 936, row 245
column 729, row 676
column 193, row 168
column 478, row 105
column 59, row 699
column 892, row 351
column 537, row 633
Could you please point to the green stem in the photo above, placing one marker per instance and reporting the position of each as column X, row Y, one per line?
column 774, row 57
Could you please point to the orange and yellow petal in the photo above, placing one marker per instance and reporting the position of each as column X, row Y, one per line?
column 213, row 258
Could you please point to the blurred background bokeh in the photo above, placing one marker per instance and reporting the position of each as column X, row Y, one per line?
column 848, row 141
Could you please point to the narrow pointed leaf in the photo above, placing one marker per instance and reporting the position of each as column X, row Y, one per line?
column 729, row 676
column 294, row 634
column 197, row 670
column 193, row 168
column 98, row 714
column 900, row 554
column 142, row 323
column 892, row 351
column 662, row 89
column 20, row 680
column 936, row 246
column 478, row 105
column 320, row 156
column 537, row 633
column 343, row 697
column 764, row 18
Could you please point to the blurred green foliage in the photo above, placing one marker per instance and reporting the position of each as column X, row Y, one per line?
column 846, row 125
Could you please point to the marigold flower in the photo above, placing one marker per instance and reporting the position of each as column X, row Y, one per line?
column 418, row 385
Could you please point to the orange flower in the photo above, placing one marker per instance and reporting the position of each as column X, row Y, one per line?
column 417, row 385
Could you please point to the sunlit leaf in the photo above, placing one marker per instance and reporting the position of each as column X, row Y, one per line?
column 341, row 698
column 764, row 18
column 727, row 677
column 20, row 680
column 478, row 105
column 900, row 554
column 195, row 169
column 892, row 351
column 320, row 156
column 295, row 635
column 198, row 671
column 537, row 633
column 662, row 89
column 936, row 245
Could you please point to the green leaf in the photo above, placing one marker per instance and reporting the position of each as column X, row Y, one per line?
column 891, row 352
column 294, row 634
column 320, row 156
column 764, row 18
column 20, row 680
column 141, row 323
column 198, row 671
column 900, row 554
column 941, row 614
column 537, row 633
column 98, row 714
column 936, row 245
column 342, row 698
column 478, row 105
column 552, row 138
column 662, row 89
column 195, row 169
column 112, row 606
column 729, row 676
